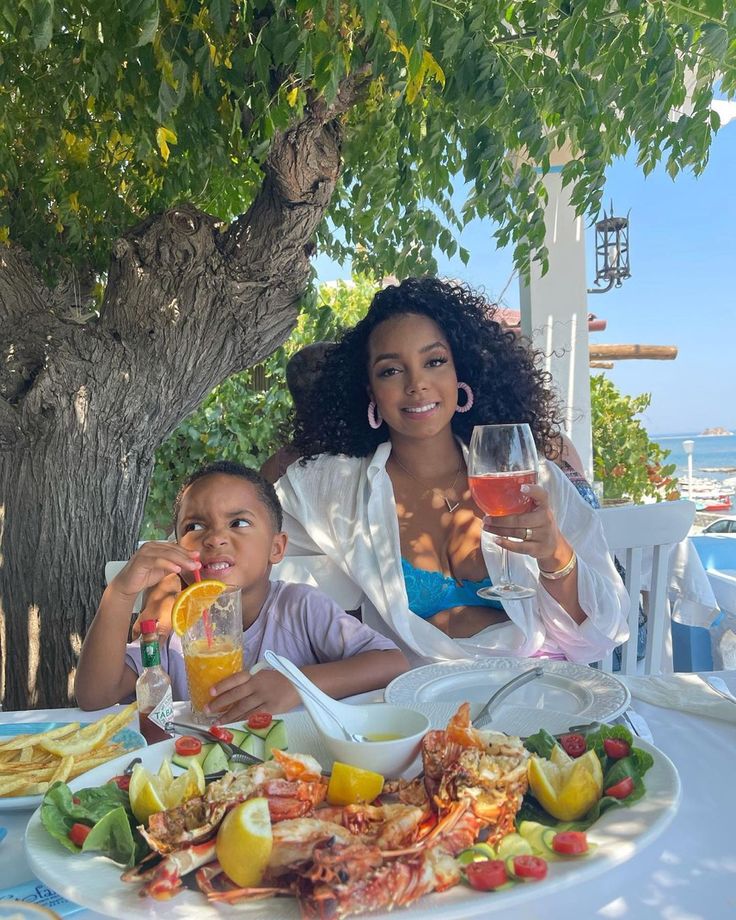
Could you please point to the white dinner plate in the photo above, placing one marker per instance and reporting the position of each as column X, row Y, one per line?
column 566, row 694
column 128, row 737
column 94, row 881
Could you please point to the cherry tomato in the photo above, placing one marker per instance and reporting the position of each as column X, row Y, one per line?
column 622, row 789
column 616, row 748
column 530, row 867
column 570, row 843
column 78, row 833
column 259, row 720
column 222, row 734
column 76, row 800
column 573, row 745
column 186, row 746
column 122, row 782
column 487, row 874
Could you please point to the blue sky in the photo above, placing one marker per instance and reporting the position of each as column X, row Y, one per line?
column 682, row 291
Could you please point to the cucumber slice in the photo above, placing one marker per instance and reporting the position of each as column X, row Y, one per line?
column 215, row 760
column 476, row 853
column 276, row 738
column 184, row 760
column 532, row 831
column 262, row 732
column 238, row 736
column 514, row 845
column 252, row 744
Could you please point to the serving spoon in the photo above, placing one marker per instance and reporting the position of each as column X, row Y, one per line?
column 316, row 702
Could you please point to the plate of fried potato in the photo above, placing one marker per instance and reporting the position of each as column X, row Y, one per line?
column 38, row 754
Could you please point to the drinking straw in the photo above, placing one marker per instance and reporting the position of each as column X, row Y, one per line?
column 205, row 615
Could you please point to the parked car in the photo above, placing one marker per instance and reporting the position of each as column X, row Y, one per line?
column 722, row 525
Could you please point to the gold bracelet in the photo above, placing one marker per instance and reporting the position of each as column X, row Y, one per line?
column 560, row 573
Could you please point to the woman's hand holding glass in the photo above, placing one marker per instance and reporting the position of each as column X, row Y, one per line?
column 532, row 533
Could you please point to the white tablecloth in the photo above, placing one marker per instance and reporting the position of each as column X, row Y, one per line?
column 691, row 596
column 687, row 873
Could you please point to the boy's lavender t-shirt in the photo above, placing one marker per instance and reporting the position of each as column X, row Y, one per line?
column 296, row 621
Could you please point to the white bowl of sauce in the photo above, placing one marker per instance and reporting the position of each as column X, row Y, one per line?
column 393, row 737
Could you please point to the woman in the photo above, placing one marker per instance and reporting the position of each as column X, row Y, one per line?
column 382, row 501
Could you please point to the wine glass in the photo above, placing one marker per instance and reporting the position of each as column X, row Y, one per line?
column 501, row 460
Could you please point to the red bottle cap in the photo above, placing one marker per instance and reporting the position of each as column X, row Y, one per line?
column 148, row 627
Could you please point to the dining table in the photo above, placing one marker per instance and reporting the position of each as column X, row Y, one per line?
column 688, row 872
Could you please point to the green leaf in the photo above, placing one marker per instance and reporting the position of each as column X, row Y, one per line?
column 113, row 836
column 715, row 39
column 148, row 24
column 42, row 15
column 220, row 11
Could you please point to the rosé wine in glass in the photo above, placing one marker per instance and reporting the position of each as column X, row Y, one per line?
column 501, row 459
column 499, row 494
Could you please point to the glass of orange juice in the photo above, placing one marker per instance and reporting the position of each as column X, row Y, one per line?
column 213, row 650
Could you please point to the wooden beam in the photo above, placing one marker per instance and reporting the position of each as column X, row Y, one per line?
column 630, row 352
column 603, row 365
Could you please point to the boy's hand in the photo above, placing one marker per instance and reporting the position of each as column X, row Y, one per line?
column 150, row 564
column 241, row 694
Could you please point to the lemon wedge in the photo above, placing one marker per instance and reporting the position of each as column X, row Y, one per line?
column 146, row 795
column 244, row 842
column 165, row 776
column 350, row 785
column 567, row 790
column 186, row 786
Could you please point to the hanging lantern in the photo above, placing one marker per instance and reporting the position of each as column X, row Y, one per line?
column 611, row 253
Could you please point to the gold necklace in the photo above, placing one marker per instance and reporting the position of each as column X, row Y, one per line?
column 450, row 506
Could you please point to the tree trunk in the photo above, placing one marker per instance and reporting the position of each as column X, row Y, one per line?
column 85, row 404
column 53, row 559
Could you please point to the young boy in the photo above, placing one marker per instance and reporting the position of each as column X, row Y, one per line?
column 227, row 521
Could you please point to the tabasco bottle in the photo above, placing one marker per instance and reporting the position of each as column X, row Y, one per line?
column 153, row 689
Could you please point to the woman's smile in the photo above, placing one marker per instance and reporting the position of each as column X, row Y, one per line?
column 420, row 412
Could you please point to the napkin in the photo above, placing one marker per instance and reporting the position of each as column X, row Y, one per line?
column 686, row 692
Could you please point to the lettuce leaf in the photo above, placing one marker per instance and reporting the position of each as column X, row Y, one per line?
column 541, row 743
column 61, row 808
column 635, row 766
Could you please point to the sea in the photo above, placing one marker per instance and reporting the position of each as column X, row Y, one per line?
column 714, row 456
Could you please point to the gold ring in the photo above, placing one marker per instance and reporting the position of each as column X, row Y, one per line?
column 528, row 533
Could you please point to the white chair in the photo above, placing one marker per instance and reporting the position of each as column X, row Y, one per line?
column 632, row 533
column 111, row 570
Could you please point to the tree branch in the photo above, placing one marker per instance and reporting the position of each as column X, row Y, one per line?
column 301, row 171
column 28, row 326
column 22, row 289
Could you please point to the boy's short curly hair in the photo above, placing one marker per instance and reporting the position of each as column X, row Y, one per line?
column 504, row 372
column 264, row 489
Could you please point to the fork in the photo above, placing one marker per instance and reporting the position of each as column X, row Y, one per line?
column 233, row 751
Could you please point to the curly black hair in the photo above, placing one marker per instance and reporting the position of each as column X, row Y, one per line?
column 503, row 371
column 264, row 490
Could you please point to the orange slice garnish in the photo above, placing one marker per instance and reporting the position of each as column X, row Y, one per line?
column 192, row 602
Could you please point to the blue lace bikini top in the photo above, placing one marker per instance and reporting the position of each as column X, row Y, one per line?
column 431, row 592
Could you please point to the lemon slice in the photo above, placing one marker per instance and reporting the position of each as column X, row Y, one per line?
column 192, row 601
column 146, row 796
column 559, row 755
column 567, row 790
column 187, row 786
column 165, row 776
column 350, row 785
column 244, row 842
